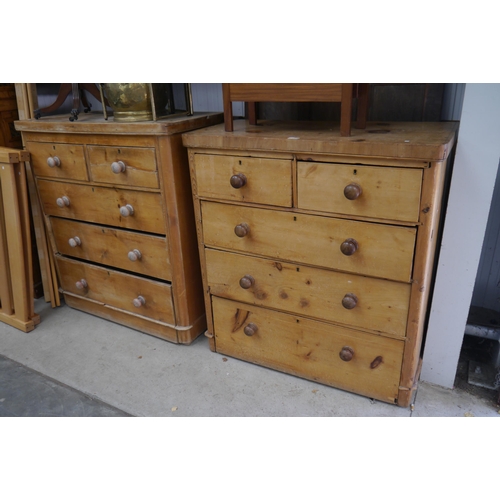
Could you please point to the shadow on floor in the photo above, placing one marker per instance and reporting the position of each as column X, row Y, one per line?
column 26, row 393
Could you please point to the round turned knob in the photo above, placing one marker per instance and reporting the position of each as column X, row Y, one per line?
column 139, row 301
column 63, row 201
column 75, row 242
column 349, row 246
column 127, row 210
column 134, row 255
column 118, row 167
column 247, row 281
column 82, row 284
column 242, row 230
column 346, row 353
column 238, row 181
column 53, row 161
column 352, row 191
column 250, row 329
column 350, row 301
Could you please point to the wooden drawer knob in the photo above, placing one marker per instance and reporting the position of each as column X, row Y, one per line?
column 346, row 353
column 247, row 281
column 134, row 255
column 82, row 284
column 53, row 161
column 350, row 301
column 352, row 191
column 250, row 329
column 75, row 242
column 349, row 246
column 63, row 201
column 127, row 210
column 238, row 181
column 139, row 301
column 118, row 167
column 242, row 230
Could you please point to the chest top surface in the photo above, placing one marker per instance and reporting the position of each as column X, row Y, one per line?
column 431, row 141
column 94, row 123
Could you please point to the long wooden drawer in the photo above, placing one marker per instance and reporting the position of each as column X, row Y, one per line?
column 382, row 250
column 117, row 289
column 357, row 301
column 131, row 251
column 376, row 192
column 263, row 180
column 103, row 205
column 67, row 161
column 309, row 349
column 137, row 167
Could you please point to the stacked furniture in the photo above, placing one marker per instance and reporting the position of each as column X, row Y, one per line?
column 116, row 200
column 317, row 250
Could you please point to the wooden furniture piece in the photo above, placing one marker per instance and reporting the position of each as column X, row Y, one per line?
column 16, row 266
column 297, row 92
column 317, row 250
column 9, row 137
column 77, row 93
column 117, row 204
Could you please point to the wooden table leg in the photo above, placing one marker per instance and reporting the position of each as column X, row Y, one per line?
column 64, row 91
column 346, row 110
column 252, row 113
column 363, row 99
column 228, row 108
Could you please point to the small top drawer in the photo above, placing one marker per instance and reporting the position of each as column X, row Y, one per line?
column 123, row 166
column 378, row 192
column 237, row 178
column 64, row 161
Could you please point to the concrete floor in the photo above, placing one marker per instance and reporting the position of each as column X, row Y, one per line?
column 93, row 367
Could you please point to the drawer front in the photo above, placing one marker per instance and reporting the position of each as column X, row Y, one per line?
column 67, row 160
column 263, row 180
column 309, row 348
column 137, row 167
column 356, row 301
column 103, row 205
column 379, row 250
column 136, row 252
column 378, row 192
column 118, row 289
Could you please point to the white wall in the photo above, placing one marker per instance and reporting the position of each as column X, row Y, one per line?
column 476, row 165
column 207, row 97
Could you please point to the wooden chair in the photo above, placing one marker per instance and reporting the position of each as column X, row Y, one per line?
column 297, row 92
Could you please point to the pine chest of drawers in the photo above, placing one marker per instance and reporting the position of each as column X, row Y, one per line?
column 118, row 207
column 317, row 250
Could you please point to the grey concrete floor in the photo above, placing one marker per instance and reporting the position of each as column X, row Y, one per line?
column 92, row 367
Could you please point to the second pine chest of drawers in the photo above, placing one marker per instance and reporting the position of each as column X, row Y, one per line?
column 317, row 251
column 117, row 202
